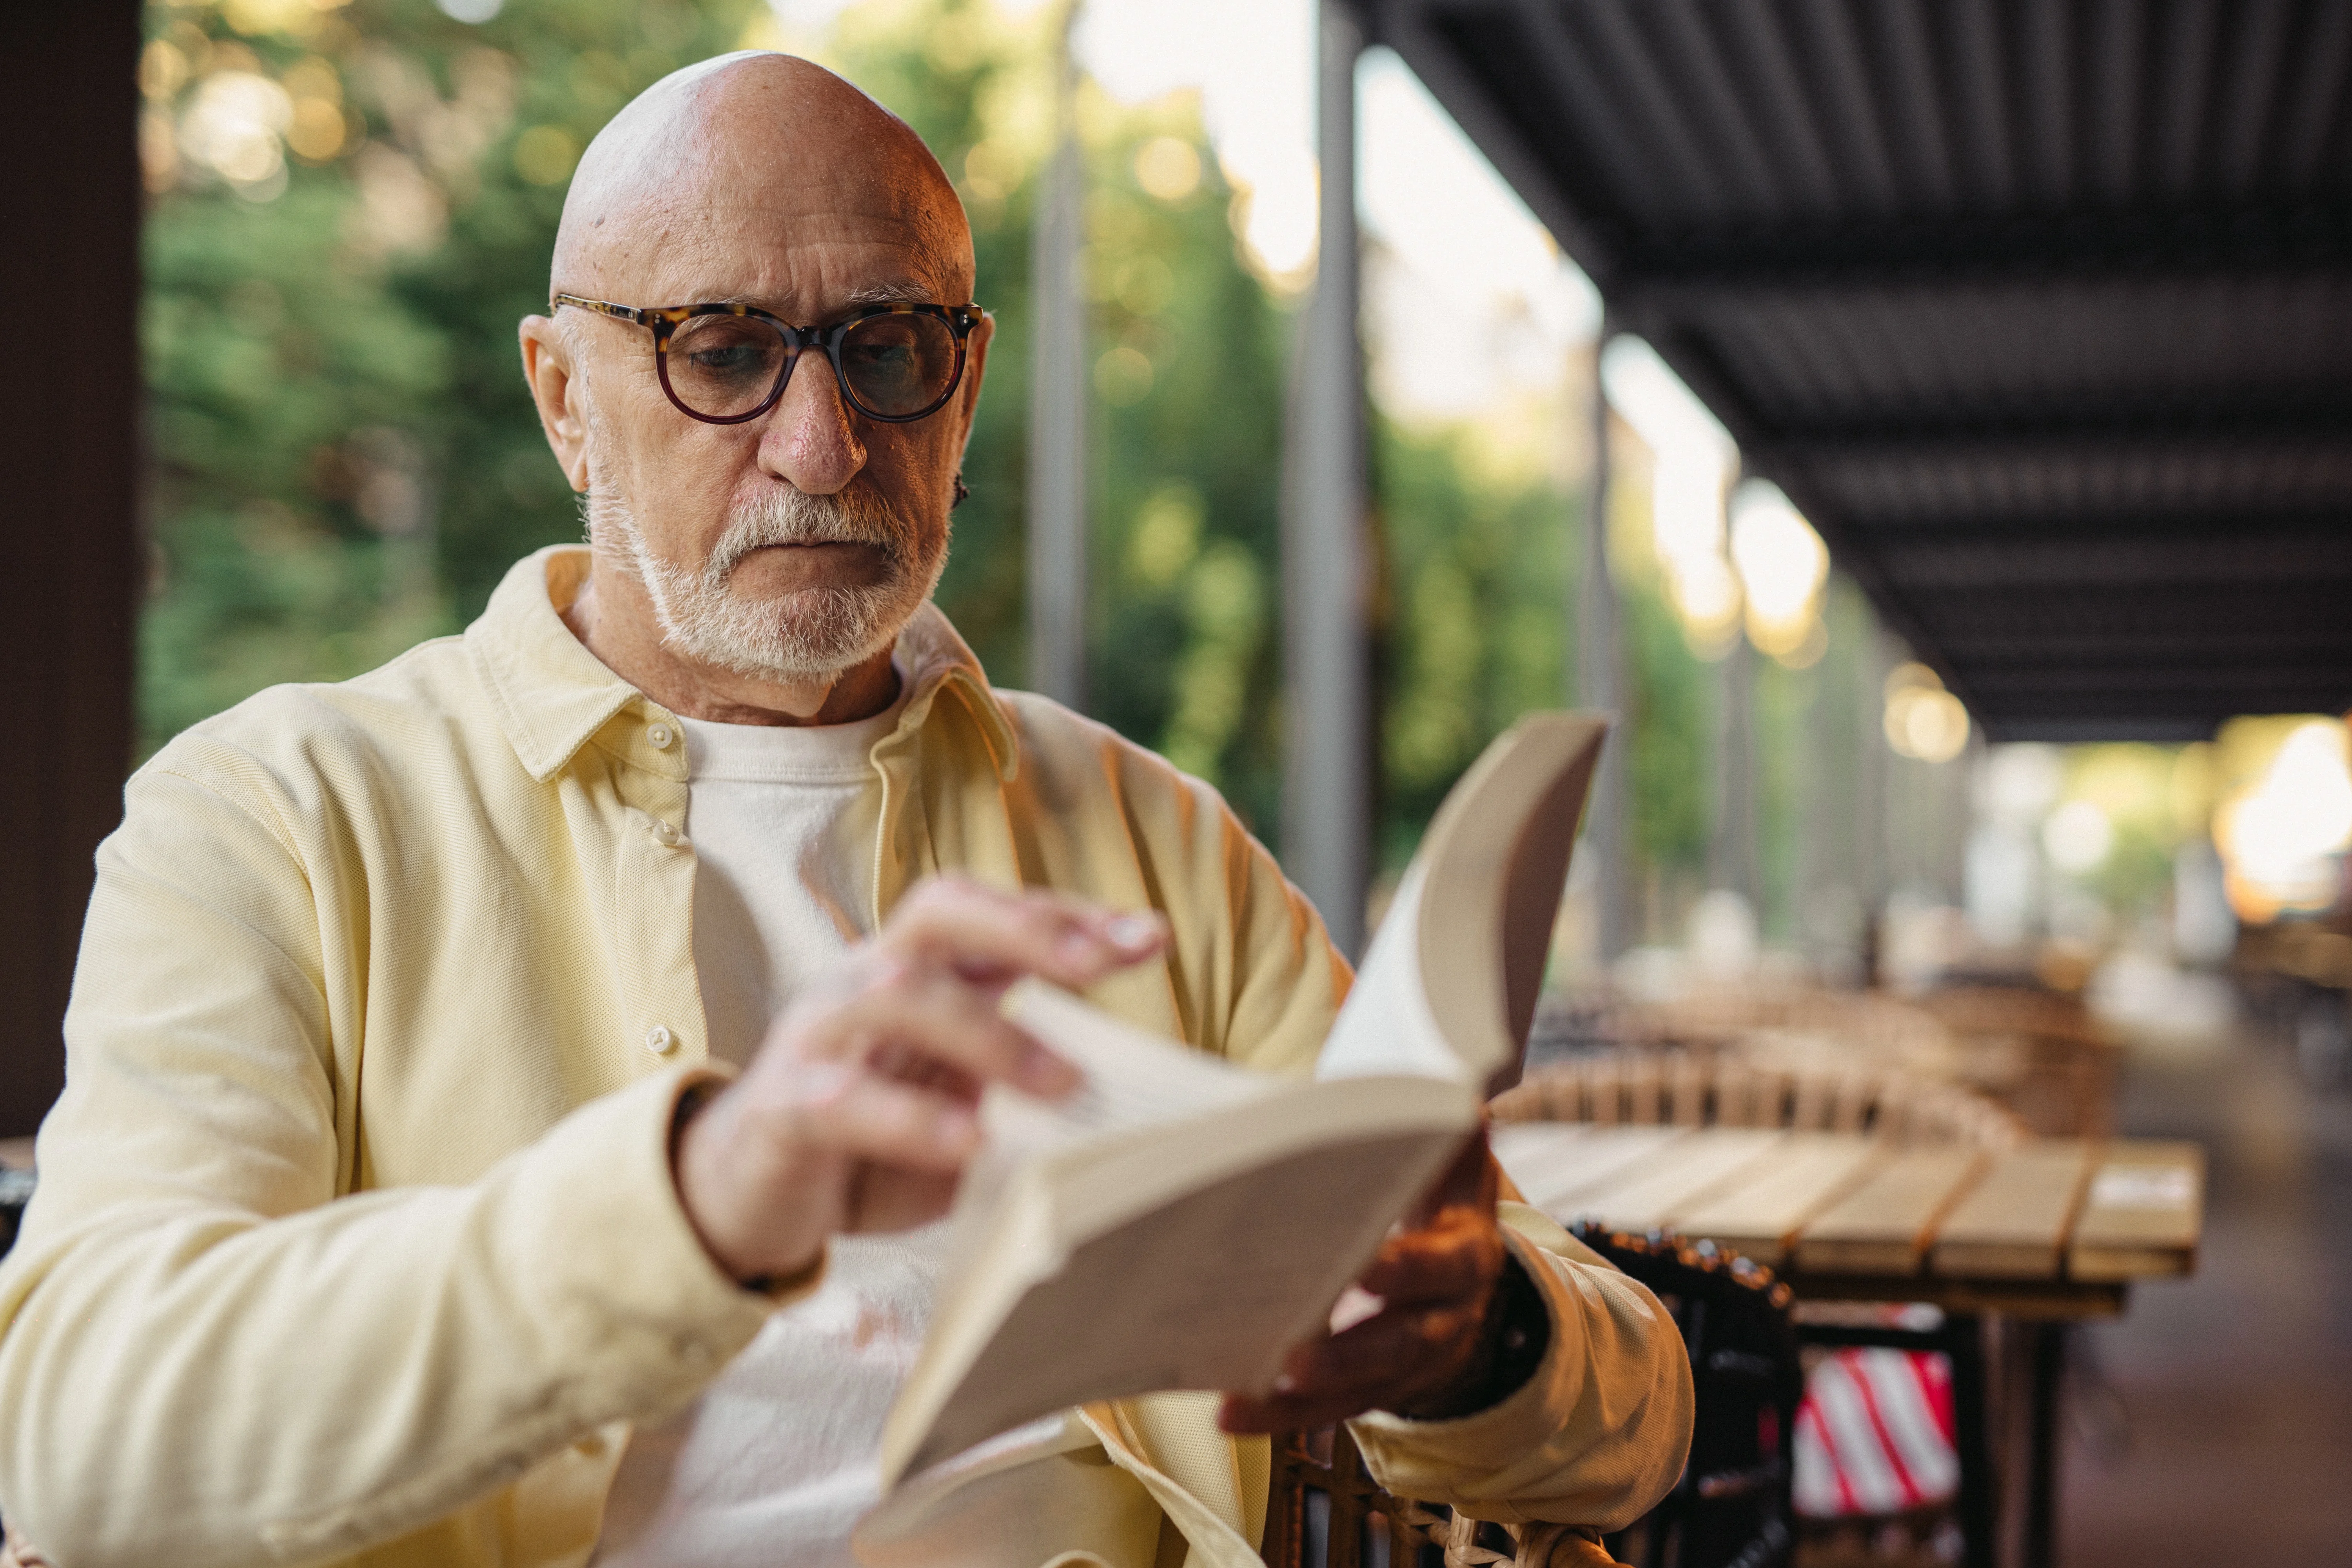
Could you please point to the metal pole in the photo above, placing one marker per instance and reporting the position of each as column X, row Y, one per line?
column 1731, row 849
column 1601, row 686
column 1057, row 403
column 1873, row 787
column 1327, row 803
column 1825, row 877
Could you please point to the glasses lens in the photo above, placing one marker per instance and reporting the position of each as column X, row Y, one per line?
column 899, row 364
column 725, row 365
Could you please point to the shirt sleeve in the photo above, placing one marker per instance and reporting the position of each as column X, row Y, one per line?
column 211, row 1353
column 1596, row 1437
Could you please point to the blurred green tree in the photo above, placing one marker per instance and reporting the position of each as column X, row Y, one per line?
column 353, row 204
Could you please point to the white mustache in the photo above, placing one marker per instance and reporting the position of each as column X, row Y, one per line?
column 796, row 517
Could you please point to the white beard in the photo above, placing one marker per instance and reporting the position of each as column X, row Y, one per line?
column 808, row 634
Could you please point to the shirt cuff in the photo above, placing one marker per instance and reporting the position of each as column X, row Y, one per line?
column 624, row 1274
column 1525, row 1415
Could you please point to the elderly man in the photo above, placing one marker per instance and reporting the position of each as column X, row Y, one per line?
column 510, row 1092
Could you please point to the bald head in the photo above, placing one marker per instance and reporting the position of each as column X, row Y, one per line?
column 708, row 173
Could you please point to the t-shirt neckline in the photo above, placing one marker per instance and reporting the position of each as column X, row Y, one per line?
column 790, row 754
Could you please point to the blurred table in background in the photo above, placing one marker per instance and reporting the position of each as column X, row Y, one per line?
column 2033, row 1235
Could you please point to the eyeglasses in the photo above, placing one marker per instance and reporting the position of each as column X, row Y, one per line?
column 726, row 363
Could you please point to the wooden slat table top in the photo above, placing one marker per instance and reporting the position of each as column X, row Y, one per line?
column 1557, row 1163
column 2014, row 1224
column 1885, row 1224
column 1762, row 1214
column 2055, row 1226
column 1649, row 1192
column 2142, row 1214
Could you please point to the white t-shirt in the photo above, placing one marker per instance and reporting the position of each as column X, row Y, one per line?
column 776, row 1461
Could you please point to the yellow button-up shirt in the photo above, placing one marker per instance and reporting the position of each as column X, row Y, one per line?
column 356, row 1239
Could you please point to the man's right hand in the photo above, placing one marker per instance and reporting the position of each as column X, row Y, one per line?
column 861, row 1107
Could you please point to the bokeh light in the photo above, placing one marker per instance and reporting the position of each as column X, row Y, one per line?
column 1783, row 567
column 2281, row 841
column 1695, row 459
column 1922, row 719
column 1168, row 168
column 2078, row 838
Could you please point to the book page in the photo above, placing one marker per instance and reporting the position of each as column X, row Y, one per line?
column 1131, row 1078
column 1385, row 1026
column 1206, row 1291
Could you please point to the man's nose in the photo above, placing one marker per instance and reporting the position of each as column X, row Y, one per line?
column 809, row 439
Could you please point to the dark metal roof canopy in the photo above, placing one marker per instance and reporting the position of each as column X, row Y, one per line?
column 2041, row 309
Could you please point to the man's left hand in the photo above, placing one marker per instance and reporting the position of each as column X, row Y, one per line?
column 1428, row 1353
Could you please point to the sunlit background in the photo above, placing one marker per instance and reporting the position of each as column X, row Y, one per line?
column 351, row 203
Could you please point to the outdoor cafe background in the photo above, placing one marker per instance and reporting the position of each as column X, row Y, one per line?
column 350, row 201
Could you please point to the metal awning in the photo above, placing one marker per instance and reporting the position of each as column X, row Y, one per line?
column 2040, row 309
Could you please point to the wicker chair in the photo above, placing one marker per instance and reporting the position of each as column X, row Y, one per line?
column 1702, row 1087
column 2037, row 1054
column 2040, row 1053
column 1731, row 1508
column 1324, row 1509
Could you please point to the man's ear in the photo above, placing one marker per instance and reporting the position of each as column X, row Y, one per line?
column 975, row 362
column 547, row 369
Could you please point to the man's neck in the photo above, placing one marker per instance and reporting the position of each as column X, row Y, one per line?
column 614, row 618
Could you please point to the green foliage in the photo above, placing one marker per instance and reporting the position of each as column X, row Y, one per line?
column 1671, row 712
column 1474, row 587
column 346, row 460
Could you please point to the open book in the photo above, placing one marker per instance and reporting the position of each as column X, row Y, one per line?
column 1178, row 1223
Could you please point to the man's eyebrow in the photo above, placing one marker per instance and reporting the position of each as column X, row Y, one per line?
column 887, row 293
column 894, row 294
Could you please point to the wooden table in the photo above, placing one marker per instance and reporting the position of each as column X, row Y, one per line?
column 2040, row 1234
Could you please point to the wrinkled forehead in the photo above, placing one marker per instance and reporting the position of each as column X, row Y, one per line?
column 778, row 184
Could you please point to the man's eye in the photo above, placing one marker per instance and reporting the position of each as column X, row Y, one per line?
column 725, row 350
column 725, row 356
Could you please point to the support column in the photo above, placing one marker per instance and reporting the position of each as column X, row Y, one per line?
column 1601, row 685
column 1731, row 859
column 68, row 115
column 1327, row 793
column 1057, row 402
column 1826, row 889
column 1874, row 779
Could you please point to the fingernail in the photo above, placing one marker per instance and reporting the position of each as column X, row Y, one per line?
column 1133, row 932
column 1285, row 1383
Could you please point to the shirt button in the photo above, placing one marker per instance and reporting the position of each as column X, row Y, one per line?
column 661, row 735
column 664, row 834
column 660, row 1041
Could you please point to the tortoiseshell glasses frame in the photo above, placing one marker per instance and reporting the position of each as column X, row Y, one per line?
column 664, row 321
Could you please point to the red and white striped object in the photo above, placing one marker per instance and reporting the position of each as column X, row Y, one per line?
column 1874, row 1434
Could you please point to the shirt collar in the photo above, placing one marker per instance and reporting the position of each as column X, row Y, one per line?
column 553, row 694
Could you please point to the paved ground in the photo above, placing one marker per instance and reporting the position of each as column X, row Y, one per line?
column 2214, row 1425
